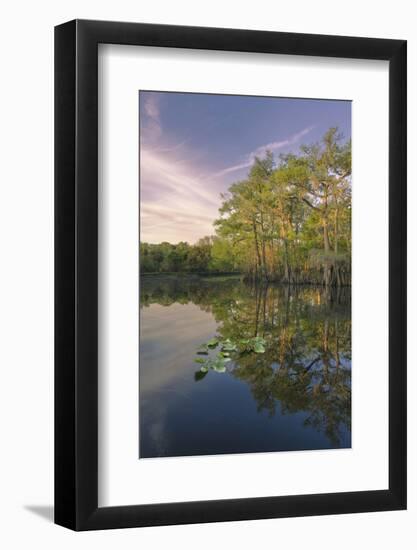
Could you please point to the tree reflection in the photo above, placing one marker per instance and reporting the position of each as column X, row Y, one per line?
column 307, row 363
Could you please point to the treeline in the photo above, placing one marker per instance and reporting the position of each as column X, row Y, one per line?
column 205, row 256
column 288, row 221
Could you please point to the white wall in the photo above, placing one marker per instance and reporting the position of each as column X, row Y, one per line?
column 26, row 291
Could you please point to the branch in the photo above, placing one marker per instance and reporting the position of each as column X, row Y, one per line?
column 312, row 363
column 344, row 174
column 310, row 204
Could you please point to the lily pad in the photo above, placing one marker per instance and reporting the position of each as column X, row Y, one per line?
column 199, row 375
column 213, row 343
column 228, row 345
column 218, row 364
column 203, row 350
column 219, row 368
column 258, row 347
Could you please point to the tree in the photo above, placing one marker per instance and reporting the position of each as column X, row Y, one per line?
column 320, row 177
column 288, row 221
column 280, row 212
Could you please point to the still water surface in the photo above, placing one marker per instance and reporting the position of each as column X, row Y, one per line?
column 296, row 395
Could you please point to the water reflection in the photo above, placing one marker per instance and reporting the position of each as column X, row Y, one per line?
column 296, row 395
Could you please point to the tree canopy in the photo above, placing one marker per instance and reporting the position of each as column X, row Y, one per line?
column 289, row 220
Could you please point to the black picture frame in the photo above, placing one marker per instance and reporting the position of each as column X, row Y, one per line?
column 76, row 272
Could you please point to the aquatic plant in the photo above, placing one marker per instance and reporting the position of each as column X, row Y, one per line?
column 227, row 349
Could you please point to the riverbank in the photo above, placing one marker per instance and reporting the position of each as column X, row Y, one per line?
column 238, row 275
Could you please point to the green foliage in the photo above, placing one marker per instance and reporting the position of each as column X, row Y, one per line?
column 275, row 217
column 223, row 256
column 174, row 258
column 208, row 255
column 288, row 221
column 216, row 364
column 227, row 348
column 212, row 343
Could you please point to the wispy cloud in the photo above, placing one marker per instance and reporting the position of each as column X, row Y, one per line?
column 260, row 151
column 151, row 126
column 175, row 203
column 151, row 106
column 180, row 192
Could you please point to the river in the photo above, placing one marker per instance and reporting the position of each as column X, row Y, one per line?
column 276, row 375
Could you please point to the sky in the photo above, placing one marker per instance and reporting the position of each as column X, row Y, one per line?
column 194, row 146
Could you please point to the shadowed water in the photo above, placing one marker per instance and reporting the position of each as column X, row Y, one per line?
column 293, row 395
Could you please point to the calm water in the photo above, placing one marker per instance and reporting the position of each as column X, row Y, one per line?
column 296, row 395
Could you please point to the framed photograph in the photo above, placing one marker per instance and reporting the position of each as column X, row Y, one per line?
column 230, row 252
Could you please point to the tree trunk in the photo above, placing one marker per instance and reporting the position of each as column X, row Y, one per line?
column 287, row 275
column 264, row 267
column 327, row 266
column 255, row 234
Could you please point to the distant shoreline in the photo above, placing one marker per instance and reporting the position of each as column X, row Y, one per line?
column 211, row 275
column 191, row 274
